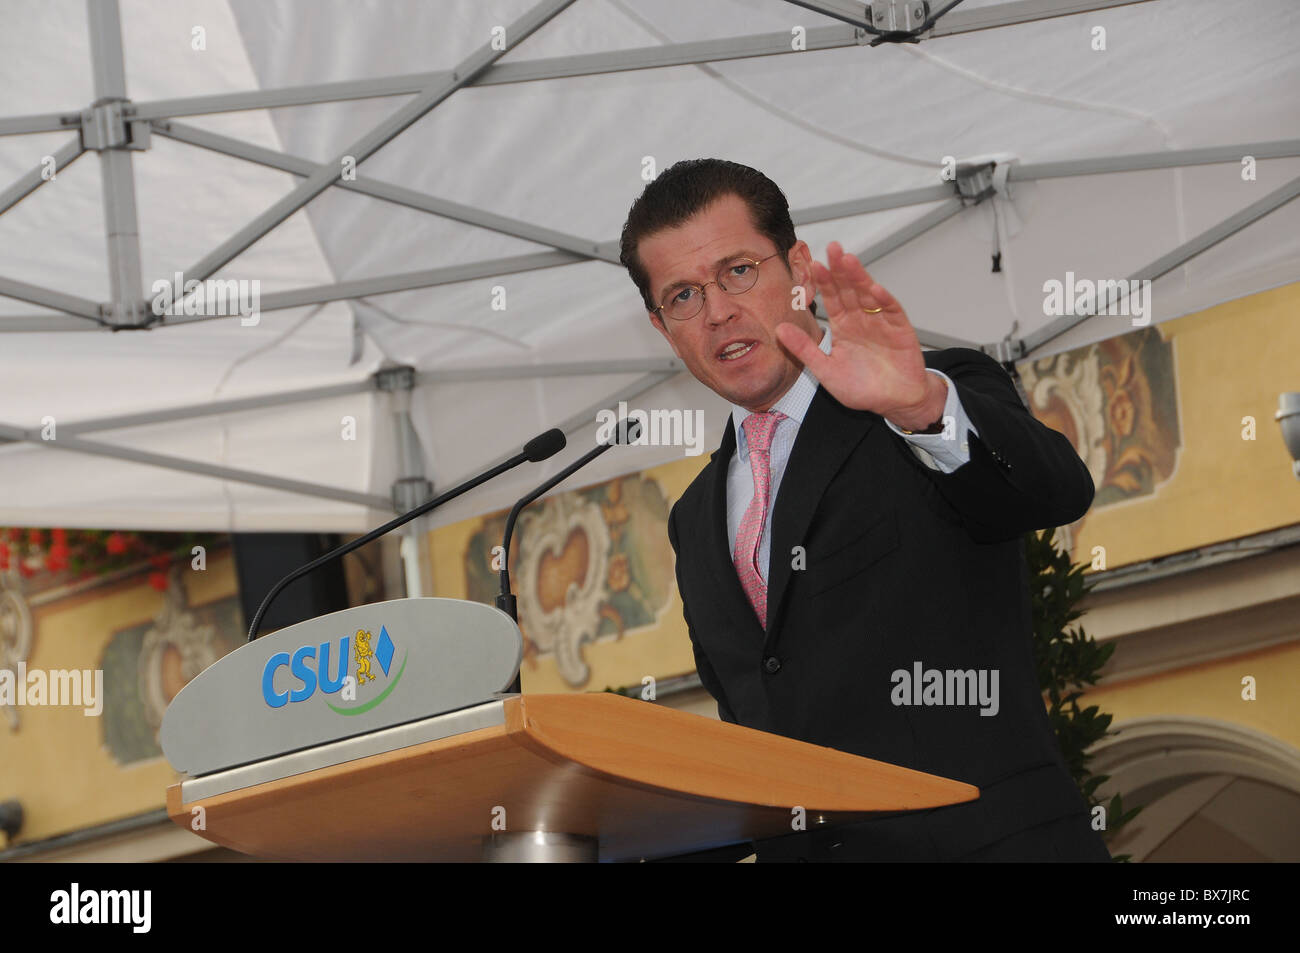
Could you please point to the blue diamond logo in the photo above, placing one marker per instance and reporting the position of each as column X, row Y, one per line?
column 384, row 650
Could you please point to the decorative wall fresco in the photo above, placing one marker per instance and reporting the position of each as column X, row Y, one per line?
column 146, row 665
column 1117, row 402
column 585, row 565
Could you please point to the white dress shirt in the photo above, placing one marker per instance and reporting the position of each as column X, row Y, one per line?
column 934, row 450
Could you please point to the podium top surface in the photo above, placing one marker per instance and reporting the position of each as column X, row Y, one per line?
column 647, row 781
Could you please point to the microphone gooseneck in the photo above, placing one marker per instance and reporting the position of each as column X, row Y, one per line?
column 626, row 432
column 539, row 448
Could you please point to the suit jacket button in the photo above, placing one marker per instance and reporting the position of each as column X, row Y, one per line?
column 772, row 664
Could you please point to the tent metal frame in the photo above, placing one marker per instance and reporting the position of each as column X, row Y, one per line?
column 113, row 127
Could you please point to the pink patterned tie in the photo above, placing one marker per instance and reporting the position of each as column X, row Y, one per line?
column 758, row 431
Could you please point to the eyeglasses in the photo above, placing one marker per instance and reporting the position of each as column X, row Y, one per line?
column 735, row 277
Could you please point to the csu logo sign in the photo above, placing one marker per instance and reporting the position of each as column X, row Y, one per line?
column 325, row 666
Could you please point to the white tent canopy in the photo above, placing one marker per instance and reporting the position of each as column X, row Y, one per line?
column 482, row 174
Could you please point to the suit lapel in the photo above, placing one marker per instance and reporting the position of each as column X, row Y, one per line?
column 827, row 437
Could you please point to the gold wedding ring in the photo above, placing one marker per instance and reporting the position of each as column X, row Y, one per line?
column 873, row 310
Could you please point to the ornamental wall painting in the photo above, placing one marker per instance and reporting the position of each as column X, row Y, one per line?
column 587, row 565
column 1117, row 402
column 145, row 664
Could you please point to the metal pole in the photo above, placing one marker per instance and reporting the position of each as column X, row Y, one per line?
column 368, row 145
column 400, row 195
column 124, row 274
column 167, row 462
column 1178, row 256
column 34, row 179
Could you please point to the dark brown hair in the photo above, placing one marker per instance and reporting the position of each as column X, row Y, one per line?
column 687, row 188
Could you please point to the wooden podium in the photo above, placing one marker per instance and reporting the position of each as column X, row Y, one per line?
column 543, row 777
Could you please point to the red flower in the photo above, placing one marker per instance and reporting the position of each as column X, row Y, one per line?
column 35, row 536
column 115, row 545
column 158, row 580
column 54, row 562
column 25, row 570
column 59, row 537
column 160, row 560
column 4, row 556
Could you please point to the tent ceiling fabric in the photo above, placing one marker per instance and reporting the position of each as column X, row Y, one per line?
column 568, row 155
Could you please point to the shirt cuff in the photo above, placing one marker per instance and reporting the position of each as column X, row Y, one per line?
column 949, row 449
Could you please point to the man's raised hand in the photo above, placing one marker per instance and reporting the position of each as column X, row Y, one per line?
column 875, row 361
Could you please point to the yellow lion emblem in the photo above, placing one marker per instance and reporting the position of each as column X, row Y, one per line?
column 364, row 653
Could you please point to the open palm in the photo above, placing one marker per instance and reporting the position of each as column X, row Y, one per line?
column 875, row 362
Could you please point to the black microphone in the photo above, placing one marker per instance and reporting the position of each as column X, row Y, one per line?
column 625, row 432
column 539, row 448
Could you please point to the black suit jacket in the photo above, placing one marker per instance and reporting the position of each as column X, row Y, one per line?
column 903, row 564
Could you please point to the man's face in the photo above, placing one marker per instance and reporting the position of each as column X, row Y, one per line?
column 693, row 252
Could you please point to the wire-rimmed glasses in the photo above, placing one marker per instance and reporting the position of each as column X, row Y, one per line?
column 736, row 276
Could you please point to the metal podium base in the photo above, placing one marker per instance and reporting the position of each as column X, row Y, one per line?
column 540, row 847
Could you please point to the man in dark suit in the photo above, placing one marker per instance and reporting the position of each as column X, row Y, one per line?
column 850, row 560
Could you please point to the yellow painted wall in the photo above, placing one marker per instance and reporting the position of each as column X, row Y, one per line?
column 56, row 763
column 1214, row 690
column 1232, row 361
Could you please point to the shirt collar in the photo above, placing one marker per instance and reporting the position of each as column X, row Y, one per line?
column 794, row 403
